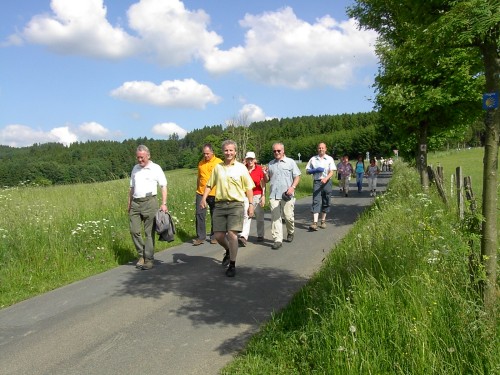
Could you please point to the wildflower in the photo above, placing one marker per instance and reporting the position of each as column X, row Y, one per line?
column 352, row 329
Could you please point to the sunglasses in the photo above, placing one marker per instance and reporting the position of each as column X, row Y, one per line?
column 278, row 151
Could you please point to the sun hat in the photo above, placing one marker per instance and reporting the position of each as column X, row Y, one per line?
column 250, row 155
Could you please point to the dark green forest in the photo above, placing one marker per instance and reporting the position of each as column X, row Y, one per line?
column 93, row 161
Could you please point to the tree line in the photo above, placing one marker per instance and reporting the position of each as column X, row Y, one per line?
column 95, row 161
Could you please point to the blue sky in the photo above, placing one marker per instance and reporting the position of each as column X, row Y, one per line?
column 118, row 69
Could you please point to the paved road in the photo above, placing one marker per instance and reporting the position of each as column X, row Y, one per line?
column 183, row 317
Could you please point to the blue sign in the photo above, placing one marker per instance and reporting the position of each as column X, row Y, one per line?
column 490, row 100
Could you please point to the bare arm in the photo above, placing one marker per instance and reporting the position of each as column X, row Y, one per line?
column 164, row 198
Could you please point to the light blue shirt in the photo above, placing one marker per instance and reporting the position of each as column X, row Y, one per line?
column 281, row 175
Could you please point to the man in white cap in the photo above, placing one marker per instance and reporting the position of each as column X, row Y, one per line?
column 259, row 200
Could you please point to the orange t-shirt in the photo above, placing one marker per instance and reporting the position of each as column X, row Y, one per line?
column 204, row 171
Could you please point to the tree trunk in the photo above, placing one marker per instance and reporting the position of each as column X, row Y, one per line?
column 489, row 228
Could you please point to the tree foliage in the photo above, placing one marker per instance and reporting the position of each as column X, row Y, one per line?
column 435, row 57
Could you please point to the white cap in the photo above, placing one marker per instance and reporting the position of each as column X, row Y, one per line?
column 250, row 155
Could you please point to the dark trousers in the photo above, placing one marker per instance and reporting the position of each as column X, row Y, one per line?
column 321, row 196
column 142, row 213
column 201, row 216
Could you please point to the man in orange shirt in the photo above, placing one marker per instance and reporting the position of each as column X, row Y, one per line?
column 205, row 167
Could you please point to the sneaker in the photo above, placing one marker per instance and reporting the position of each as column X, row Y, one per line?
column 313, row 227
column 139, row 263
column 148, row 264
column 231, row 271
column 323, row 224
column 213, row 241
column 225, row 260
column 198, row 242
column 276, row 245
column 289, row 238
column 242, row 241
column 260, row 239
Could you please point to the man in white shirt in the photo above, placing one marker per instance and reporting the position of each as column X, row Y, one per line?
column 145, row 178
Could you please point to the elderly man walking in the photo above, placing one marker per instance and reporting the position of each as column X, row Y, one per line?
column 145, row 178
column 284, row 176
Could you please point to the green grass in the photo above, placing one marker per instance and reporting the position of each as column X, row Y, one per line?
column 52, row 236
column 471, row 162
column 394, row 297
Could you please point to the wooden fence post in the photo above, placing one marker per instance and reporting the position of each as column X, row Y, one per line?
column 460, row 195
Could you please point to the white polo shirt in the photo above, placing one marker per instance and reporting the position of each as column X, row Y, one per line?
column 145, row 180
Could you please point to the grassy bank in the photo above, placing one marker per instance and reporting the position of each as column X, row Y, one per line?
column 392, row 298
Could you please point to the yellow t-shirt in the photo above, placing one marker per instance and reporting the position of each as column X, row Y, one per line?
column 204, row 171
column 232, row 182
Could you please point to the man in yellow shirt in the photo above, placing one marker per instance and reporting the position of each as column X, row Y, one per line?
column 233, row 183
column 205, row 167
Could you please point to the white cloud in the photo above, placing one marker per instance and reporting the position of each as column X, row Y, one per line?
column 63, row 135
column 252, row 113
column 282, row 50
column 172, row 33
column 93, row 130
column 166, row 31
column 167, row 129
column 16, row 135
column 185, row 93
column 81, row 28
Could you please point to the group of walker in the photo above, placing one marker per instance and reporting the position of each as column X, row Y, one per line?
column 235, row 192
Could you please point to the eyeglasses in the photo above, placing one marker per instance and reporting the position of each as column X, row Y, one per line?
column 278, row 151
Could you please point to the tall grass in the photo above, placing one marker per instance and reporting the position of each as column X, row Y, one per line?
column 392, row 298
column 51, row 236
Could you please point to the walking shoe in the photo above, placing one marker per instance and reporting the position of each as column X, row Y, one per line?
column 148, row 264
column 213, row 241
column 225, row 260
column 242, row 241
column 323, row 224
column 276, row 245
column 198, row 242
column 139, row 263
column 231, row 271
column 260, row 239
column 313, row 226
column 289, row 238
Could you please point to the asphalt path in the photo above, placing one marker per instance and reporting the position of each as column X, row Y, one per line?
column 182, row 317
